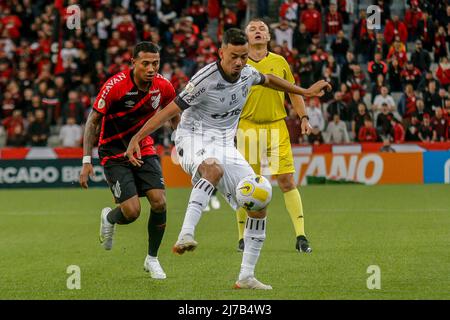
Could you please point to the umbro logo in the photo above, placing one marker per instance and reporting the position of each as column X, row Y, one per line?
column 129, row 103
column 116, row 190
column 132, row 93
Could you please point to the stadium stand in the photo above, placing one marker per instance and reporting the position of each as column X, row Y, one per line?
column 46, row 65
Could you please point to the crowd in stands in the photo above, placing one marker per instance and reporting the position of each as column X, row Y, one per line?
column 390, row 83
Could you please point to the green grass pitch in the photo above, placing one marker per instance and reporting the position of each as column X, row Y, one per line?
column 405, row 230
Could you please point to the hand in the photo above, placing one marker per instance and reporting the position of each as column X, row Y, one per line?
column 306, row 127
column 133, row 147
column 316, row 90
column 86, row 171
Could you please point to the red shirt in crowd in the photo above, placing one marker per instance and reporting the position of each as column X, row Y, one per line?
column 312, row 20
column 333, row 23
column 367, row 134
column 399, row 133
column 393, row 29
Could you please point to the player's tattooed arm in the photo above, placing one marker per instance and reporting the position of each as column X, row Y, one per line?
column 91, row 131
column 91, row 134
column 277, row 83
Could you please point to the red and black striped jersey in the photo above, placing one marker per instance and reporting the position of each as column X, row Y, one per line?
column 125, row 110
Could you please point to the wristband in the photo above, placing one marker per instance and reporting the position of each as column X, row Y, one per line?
column 87, row 159
column 303, row 117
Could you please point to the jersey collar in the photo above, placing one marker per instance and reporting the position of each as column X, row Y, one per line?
column 224, row 76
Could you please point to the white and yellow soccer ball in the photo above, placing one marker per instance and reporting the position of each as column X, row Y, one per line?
column 254, row 192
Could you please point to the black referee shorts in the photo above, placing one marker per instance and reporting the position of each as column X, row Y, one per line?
column 126, row 180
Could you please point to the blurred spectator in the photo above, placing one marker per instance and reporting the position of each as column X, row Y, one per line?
column 337, row 131
column 376, row 67
column 395, row 27
column 412, row 131
column 421, row 58
column 398, row 51
column 340, row 47
column 241, row 11
column 398, row 132
column 14, row 127
column 383, row 98
column 199, row 13
column 380, row 46
column 431, row 97
column 73, row 108
column 426, row 131
column 439, row 125
column 383, row 121
column 333, row 24
column 425, row 31
column 289, row 10
column 71, row 134
column 293, row 124
column 411, row 75
column 316, row 118
column 283, row 33
column 367, row 132
column 337, row 106
column 39, row 130
column 440, row 44
column 407, row 104
column 311, row 18
column 394, row 76
column 412, row 17
column 443, row 72
column 315, row 137
column 301, row 39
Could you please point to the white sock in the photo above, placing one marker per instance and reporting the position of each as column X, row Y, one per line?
column 149, row 257
column 200, row 195
column 254, row 235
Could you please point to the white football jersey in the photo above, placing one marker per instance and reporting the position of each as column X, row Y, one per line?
column 212, row 105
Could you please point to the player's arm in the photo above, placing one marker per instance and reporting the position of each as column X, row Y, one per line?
column 91, row 134
column 280, row 84
column 154, row 123
column 299, row 106
column 175, row 121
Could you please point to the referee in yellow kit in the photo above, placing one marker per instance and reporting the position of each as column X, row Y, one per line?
column 262, row 128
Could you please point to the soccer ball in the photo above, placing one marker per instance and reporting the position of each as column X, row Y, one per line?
column 254, row 192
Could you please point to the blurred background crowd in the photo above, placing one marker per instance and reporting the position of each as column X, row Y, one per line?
column 389, row 84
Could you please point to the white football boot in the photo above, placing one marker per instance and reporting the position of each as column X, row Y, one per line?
column 106, row 230
column 151, row 265
column 251, row 283
column 185, row 243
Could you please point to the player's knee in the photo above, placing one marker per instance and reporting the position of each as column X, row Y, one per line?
column 211, row 171
column 131, row 211
column 158, row 205
column 286, row 182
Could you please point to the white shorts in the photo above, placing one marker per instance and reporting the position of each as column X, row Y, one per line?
column 192, row 150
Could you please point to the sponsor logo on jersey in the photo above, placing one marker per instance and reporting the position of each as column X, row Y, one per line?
column 195, row 95
column 234, row 99
column 154, row 91
column 110, row 84
column 132, row 93
column 231, row 113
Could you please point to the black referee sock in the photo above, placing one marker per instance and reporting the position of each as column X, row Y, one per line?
column 214, row 192
column 116, row 216
column 156, row 227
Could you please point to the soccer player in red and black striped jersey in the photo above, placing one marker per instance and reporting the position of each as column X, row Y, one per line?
column 125, row 103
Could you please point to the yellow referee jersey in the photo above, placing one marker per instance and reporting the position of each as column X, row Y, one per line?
column 265, row 104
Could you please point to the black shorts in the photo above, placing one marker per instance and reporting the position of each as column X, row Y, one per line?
column 126, row 180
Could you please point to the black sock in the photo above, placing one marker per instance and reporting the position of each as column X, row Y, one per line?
column 116, row 216
column 214, row 192
column 156, row 227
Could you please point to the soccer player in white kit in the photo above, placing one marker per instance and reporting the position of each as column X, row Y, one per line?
column 212, row 102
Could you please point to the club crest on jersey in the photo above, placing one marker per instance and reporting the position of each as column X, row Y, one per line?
column 155, row 101
column 101, row 104
column 189, row 87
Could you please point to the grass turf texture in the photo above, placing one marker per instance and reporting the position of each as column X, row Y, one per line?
column 402, row 229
